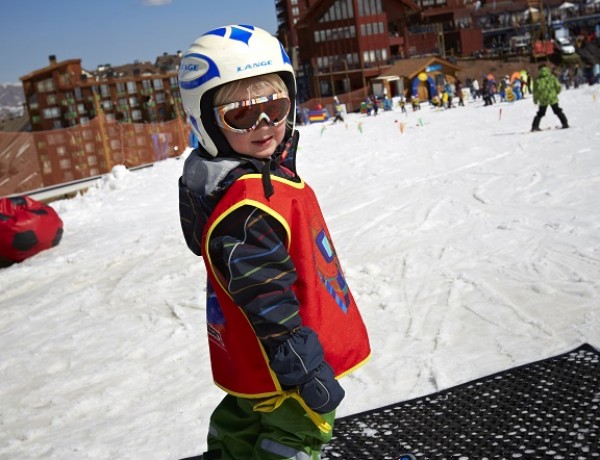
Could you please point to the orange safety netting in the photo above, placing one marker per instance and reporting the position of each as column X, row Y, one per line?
column 33, row 160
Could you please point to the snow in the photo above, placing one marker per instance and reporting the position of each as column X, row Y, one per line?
column 471, row 246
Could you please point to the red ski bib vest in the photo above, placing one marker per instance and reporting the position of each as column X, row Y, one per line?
column 239, row 363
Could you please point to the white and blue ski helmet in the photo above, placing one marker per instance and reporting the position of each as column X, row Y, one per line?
column 221, row 56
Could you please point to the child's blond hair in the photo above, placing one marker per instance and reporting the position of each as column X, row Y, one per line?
column 230, row 92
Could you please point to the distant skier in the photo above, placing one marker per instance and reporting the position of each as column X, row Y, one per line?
column 338, row 110
column 487, row 92
column 546, row 88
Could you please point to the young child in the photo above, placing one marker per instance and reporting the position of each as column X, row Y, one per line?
column 282, row 323
column 546, row 88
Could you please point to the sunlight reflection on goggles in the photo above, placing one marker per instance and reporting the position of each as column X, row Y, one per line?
column 244, row 116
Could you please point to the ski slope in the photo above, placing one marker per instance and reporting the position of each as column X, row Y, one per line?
column 471, row 246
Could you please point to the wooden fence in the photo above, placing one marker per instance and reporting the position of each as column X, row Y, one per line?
column 34, row 160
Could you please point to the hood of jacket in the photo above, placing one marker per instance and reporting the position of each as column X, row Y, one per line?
column 544, row 72
column 205, row 179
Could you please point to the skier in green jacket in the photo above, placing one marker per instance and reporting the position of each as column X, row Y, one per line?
column 545, row 93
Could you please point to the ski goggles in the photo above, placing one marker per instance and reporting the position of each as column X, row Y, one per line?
column 245, row 116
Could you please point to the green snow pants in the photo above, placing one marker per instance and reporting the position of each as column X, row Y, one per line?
column 287, row 433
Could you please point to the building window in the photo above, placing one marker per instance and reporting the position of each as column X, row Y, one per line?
column 120, row 86
column 334, row 34
column 51, row 112
column 374, row 28
column 323, row 62
column 78, row 93
column 375, row 55
column 69, row 97
column 55, row 139
column 369, row 7
column 325, row 88
column 133, row 101
column 64, row 79
column 136, row 115
column 80, row 108
column 33, row 102
column 341, row 9
column 157, row 83
column 65, row 163
column 51, row 99
column 160, row 98
column 46, row 166
column 131, row 87
column 45, row 86
column 104, row 91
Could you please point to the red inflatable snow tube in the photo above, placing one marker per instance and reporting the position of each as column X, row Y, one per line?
column 26, row 228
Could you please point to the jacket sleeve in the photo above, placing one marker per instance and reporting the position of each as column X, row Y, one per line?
column 248, row 249
column 189, row 209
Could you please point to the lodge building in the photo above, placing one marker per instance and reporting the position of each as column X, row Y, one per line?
column 63, row 94
column 340, row 46
column 137, row 101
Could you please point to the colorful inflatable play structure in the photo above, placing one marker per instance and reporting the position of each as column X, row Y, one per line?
column 318, row 115
column 27, row 227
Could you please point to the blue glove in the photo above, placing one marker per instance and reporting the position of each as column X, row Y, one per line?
column 300, row 362
column 323, row 393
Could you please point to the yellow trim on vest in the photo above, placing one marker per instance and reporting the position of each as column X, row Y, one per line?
column 269, row 394
column 352, row 369
column 283, row 180
column 269, row 405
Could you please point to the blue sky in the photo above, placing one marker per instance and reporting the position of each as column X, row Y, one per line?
column 112, row 31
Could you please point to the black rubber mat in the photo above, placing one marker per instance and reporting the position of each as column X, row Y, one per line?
column 548, row 409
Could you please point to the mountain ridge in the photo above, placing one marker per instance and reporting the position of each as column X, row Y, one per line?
column 11, row 100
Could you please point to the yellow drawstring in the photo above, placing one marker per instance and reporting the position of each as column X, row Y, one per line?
column 270, row 404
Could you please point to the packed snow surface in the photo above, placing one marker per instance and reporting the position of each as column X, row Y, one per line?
column 471, row 246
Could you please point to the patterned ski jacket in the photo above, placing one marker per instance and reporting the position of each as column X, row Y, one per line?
column 546, row 88
column 271, row 267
